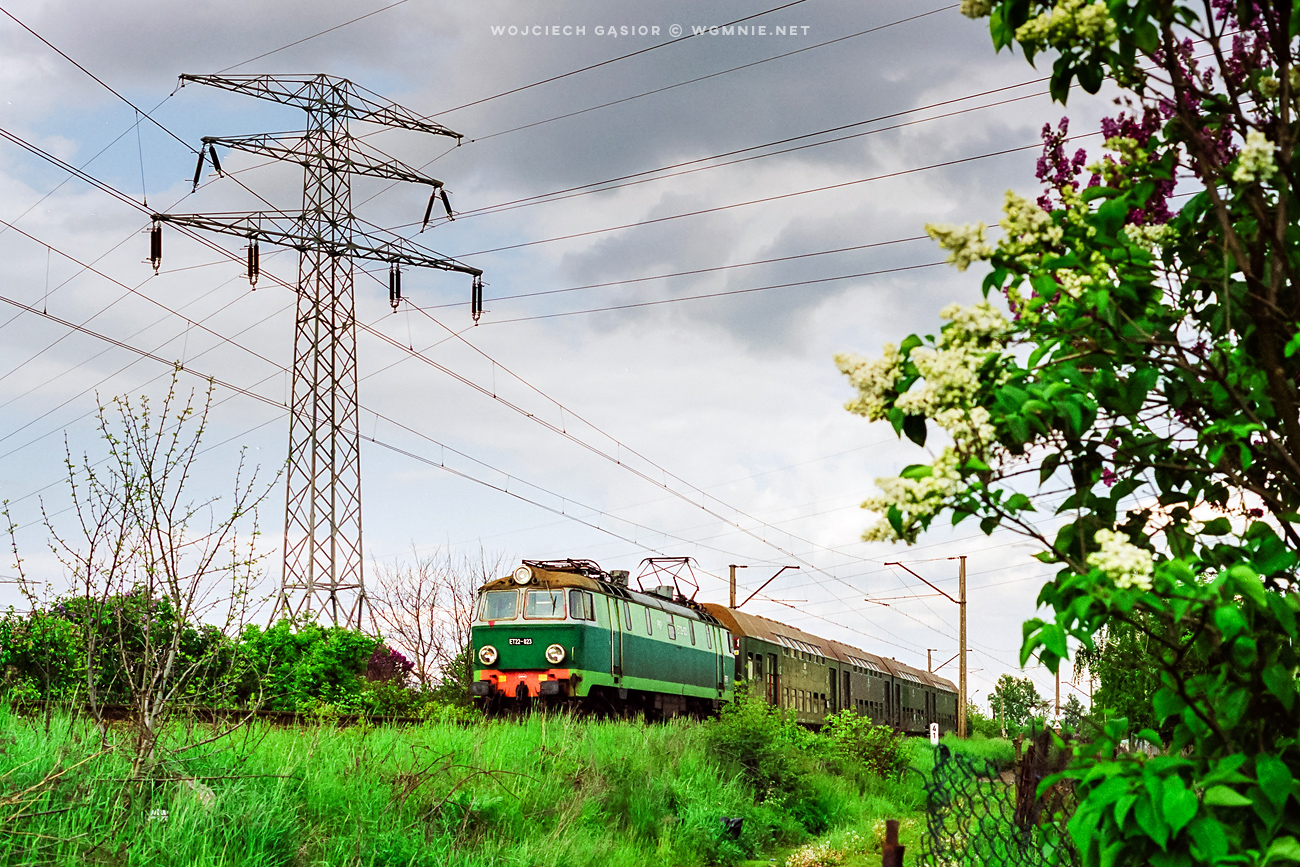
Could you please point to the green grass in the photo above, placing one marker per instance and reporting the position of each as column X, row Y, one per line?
column 544, row 791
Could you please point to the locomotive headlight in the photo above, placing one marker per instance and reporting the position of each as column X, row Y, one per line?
column 555, row 654
column 523, row 575
column 487, row 654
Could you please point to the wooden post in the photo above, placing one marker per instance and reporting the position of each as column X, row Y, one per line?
column 891, row 854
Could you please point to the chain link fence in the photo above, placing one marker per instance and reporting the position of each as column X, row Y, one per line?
column 981, row 816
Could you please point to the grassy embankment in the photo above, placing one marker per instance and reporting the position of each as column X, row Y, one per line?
column 544, row 791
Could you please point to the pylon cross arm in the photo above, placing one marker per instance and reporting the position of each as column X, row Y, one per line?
column 287, row 146
column 288, row 230
column 302, row 91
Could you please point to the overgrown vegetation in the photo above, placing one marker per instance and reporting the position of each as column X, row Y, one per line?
column 547, row 790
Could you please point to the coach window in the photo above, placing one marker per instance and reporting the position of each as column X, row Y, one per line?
column 627, row 615
column 708, row 637
column 691, row 625
column 500, row 605
column 544, row 605
column 672, row 629
column 649, row 625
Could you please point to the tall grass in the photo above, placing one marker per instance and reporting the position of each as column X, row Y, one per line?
column 542, row 791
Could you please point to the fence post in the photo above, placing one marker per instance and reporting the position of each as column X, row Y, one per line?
column 891, row 854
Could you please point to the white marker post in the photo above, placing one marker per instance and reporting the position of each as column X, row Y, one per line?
column 934, row 734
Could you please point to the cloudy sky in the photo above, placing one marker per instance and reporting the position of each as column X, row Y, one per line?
column 675, row 244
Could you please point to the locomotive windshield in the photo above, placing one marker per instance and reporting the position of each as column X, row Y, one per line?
column 544, row 605
column 500, row 605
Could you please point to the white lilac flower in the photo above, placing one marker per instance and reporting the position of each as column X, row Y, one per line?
column 1149, row 237
column 1120, row 560
column 965, row 244
column 874, row 380
column 1069, row 24
column 1270, row 86
column 1256, row 160
column 1027, row 226
column 976, row 8
column 915, row 499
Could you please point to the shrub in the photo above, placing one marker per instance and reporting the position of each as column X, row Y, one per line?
column 879, row 749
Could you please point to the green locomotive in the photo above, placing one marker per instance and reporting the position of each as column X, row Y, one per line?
column 566, row 632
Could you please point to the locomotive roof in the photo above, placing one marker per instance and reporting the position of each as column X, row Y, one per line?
column 755, row 626
column 547, row 578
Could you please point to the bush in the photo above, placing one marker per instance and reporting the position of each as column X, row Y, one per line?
column 879, row 749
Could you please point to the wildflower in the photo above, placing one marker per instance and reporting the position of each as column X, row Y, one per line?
column 1120, row 560
column 1256, row 160
column 1149, row 237
column 965, row 244
column 976, row 8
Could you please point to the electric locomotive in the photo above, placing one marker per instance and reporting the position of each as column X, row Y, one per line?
column 566, row 632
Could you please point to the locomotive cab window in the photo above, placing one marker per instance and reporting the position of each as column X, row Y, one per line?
column 500, row 605
column 544, row 605
column 582, row 605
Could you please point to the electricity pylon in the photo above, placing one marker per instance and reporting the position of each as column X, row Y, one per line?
column 322, row 526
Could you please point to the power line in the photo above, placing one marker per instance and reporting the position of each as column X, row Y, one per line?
column 694, row 271
column 711, row 75
column 311, row 37
column 720, row 294
column 776, row 198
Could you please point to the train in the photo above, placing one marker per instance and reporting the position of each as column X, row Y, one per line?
column 567, row 633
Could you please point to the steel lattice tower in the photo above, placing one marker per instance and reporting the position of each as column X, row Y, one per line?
column 322, row 540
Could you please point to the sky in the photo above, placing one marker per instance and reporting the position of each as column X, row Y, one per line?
column 675, row 243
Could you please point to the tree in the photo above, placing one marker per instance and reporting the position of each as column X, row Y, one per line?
column 425, row 610
column 1015, row 702
column 1143, row 395
column 159, row 578
column 1073, row 713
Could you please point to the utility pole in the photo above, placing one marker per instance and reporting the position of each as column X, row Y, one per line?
column 929, row 659
column 733, row 567
column 961, row 685
column 322, row 534
column 961, row 652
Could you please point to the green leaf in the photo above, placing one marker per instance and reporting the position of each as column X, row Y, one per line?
column 914, row 428
column 1222, row 796
column 1274, row 778
column 1217, row 527
column 1178, row 804
column 1150, row 823
column 1283, row 849
column 1281, row 683
column 1209, row 838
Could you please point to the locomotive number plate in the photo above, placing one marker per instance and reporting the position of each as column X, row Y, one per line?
column 521, row 641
